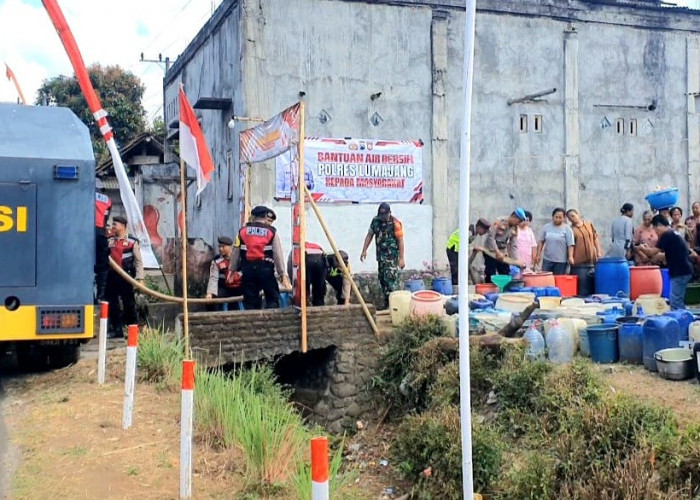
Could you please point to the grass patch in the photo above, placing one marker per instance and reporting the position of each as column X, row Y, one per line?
column 160, row 354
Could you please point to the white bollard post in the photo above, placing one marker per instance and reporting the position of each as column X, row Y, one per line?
column 319, row 468
column 186, row 420
column 130, row 378
column 102, row 343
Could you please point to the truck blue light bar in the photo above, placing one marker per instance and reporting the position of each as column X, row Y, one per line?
column 65, row 172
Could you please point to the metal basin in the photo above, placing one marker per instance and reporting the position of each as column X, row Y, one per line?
column 675, row 363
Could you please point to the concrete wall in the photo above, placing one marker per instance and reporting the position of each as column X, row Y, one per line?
column 607, row 62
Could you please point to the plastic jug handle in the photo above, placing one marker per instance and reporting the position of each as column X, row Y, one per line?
column 658, row 357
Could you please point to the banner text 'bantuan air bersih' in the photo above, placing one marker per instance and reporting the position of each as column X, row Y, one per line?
column 357, row 170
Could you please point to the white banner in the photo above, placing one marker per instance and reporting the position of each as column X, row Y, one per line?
column 357, row 170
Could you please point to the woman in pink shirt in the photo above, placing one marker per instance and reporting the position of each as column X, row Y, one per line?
column 644, row 234
column 527, row 243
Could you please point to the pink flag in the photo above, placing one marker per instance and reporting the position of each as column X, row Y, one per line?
column 193, row 146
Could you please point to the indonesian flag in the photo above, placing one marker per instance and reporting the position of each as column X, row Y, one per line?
column 193, row 146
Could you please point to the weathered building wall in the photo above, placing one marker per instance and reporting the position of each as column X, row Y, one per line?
column 212, row 68
column 606, row 62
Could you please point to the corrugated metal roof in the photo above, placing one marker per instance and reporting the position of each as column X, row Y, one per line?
column 112, row 183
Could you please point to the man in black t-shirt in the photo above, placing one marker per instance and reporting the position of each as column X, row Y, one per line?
column 680, row 270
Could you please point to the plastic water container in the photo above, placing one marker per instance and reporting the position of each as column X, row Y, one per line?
column 559, row 344
column 415, row 285
column 399, row 302
column 443, row 285
column 659, row 332
column 552, row 291
column 425, row 302
column 535, row 344
column 694, row 331
column 684, row 318
column 612, row 275
column 630, row 342
column 603, row 342
column 665, row 283
column 584, row 345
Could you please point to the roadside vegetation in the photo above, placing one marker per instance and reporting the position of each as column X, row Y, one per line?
column 247, row 413
column 539, row 431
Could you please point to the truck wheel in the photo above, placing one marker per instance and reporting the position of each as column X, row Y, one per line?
column 63, row 355
column 31, row 357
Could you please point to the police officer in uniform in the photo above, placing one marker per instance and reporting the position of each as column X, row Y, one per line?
column 336, row 278
column 218, row 285
column 103, row 206
column 322, row 268
column 126, row 252
column 259, row 249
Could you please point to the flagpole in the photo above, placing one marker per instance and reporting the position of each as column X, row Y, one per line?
column 302, row 228
column 11, row 76
column 463, row 264
column 183, row 229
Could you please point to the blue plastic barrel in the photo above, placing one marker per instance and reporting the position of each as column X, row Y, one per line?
column 630, row 338
column 443, row 285
column 603, row 343
column 659, row 332
column 684, row 318
column 612, row 275
column 553, row 291
column 584, row 345
column 414, row 285
column 665, row 283
column 540, row 291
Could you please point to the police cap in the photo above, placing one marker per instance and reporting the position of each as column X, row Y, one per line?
column 263, row 211
column 225, row 240
column 120, row 219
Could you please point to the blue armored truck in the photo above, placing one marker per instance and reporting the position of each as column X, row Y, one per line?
column 47, row 237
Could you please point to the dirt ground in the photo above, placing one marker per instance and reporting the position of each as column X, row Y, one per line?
column 683, row 397
column 66, row 441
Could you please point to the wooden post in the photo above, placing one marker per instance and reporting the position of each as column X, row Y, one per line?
column 246, row 195
column 183, row 229
column 341, row 263
column 302, row 228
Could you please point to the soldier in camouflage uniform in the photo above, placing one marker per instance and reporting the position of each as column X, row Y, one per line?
column 388, row 233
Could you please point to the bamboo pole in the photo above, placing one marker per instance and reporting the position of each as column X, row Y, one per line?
column 302, row 228
column 169, row 298
column 185, row 311
column 341, row 263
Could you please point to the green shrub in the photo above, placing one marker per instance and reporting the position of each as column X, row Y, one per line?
column 159, row 356
column 609, row 432
column 679, row 462
column 432, row 442
column 445, row 390
column 532, row 478
column 520, row 384
column 393, row 384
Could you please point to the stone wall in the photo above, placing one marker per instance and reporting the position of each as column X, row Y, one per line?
column 237, row 337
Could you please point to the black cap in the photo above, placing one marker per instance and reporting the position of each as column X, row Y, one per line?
column 483, row 223
column 225, row 240
column 384, row 207
column 120, row 219
column 263, row 211
column 626, row 208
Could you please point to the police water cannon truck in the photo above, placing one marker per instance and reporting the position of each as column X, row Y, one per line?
column 47, row 237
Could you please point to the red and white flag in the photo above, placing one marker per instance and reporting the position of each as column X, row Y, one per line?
column 193, row 146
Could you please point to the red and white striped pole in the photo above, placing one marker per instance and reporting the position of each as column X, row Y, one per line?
column 319, row 468
column 102, row 343
column 132, row 342
column 186, row 420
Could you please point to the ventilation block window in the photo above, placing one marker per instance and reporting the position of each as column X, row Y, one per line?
column 538, row 124
column 620, row 126
column 523, row 124
column 633, row 127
